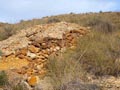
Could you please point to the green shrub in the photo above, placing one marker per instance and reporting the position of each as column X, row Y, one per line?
column 3, row 78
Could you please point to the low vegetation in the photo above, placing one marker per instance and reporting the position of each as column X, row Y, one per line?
column 18, row 87
column 100, row 54
column 1, row 53
column 63, row 68
column 96, row 53
column 101, row 25
column 3, row 78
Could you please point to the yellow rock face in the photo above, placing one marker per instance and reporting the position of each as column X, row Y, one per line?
column 12, row 62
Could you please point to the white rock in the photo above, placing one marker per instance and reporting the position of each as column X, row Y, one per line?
column 39, row 67
column 31, row 55
column 57, row 48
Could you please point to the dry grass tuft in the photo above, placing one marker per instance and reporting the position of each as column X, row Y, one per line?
column 64, row 68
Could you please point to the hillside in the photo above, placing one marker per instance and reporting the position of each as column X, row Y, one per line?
column 82, row 19
column 63, row 52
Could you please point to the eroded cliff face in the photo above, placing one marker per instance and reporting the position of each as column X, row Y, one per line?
column 27, row 52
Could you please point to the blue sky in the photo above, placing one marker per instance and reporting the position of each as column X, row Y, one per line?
column 15, row 10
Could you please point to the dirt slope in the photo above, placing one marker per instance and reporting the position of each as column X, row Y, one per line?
column 27, row 52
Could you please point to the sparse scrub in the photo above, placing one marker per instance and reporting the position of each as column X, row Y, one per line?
column 100, row 54
column 4, row 82
column 1, row 53
column 53, row 20
column 63, row 69
column 100, row 24
column 7, row 32
column 97, row 53
column 3, row 78
column 18, row 87
column 3, row 36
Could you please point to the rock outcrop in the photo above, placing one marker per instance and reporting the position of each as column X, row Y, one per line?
column 35, row 44
column 39, row 35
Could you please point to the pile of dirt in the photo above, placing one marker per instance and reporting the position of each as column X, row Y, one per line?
column 27, row 52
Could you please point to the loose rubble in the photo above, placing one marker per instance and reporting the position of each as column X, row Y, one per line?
column 35, row 44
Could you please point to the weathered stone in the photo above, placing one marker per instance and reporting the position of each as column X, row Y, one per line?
column 39, row 67
column 31, row 55
column 81, row 31
column 36, row 44
column 21, row 56
column 21, row 71
column 41, row 57
column 33, row 49
column 42, row 72
column 46, row 55
column 33, row 80
column 28, row 58
column 57, row 48
column 31, row 65
column 22, row 52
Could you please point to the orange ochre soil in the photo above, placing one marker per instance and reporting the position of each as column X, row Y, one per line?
column 12, row 62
